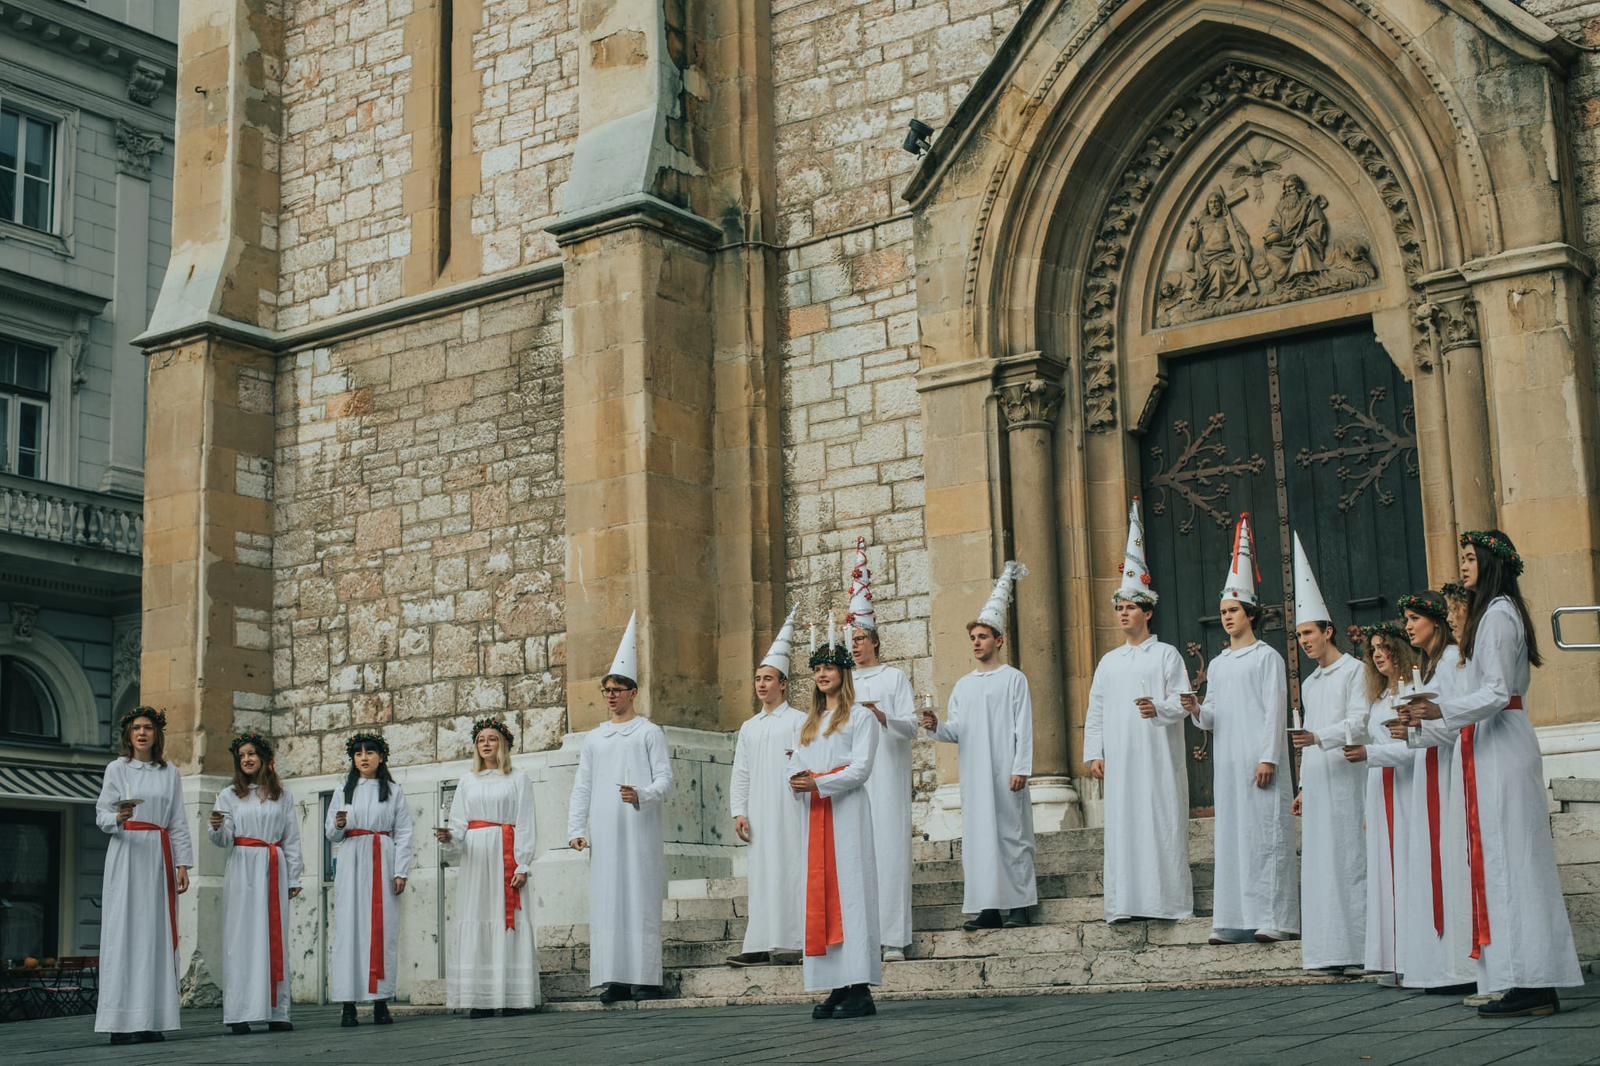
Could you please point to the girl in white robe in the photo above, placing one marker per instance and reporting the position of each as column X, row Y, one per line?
column 1333, row 849
column 370, row 826
column 147, row 866
column 256, row 820
column 492, row 957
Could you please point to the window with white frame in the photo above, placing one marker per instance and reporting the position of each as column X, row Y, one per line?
column 24, row 407
column 27, row 170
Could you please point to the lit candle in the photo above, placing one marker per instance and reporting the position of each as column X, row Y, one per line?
column 832, row 633
column 1416, row 679
column 1297, row 718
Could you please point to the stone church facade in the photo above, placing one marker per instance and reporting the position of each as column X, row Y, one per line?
column 492, row 321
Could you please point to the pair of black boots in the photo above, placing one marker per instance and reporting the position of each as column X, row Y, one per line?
column 243, row 1028
column 1523, row 1003
column 617, row 992
column 487, row 1012
column 380, row 1014
column 851, row 1001
column 991, row 919
column 146, row 1036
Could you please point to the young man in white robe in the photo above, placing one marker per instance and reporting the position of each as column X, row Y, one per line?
column 766, row 817
column 886, row 693
column 1133, row 742
column 990, row 715
column 1332, row 800
column 624, row 777
column 1247, row 696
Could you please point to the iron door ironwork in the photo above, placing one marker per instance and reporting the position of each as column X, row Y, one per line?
column 1313, row 433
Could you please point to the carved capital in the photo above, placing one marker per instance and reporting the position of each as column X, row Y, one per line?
column 1447, row 322
column 134, row 149
column 1030, row 404
column 125, row 651
column 145, row 81
column 24, row 617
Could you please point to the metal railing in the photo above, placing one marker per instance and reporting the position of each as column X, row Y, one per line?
column 65, row 515
column 1555, row 627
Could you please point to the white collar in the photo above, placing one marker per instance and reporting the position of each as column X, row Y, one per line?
column 610, row 728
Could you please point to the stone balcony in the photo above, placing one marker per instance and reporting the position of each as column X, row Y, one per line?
column 71, row 542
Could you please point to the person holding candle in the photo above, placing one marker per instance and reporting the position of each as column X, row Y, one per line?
column 828, row 774
column 493, row 953
column 1134, row 724
column 1245, row 710
column 370, row 826
column 624, row 778
column 148, row 859
column 766, row 817
column 256, row 820
column 1521, row 937
column 885, row 692
column 991, row 717
column 1332, row 800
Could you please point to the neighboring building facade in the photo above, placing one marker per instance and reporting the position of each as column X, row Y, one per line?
column 497, row 320
column 86, row 126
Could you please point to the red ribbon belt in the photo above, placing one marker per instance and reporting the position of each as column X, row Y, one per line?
column 1480, row 890
column 1388, row 812
column 172, row 883
column 274, row 908
column 824, row 920
column 375, row 950
column 1435, row 866
column 508, row 858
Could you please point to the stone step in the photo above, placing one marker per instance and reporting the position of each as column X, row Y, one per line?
column 1201, row 842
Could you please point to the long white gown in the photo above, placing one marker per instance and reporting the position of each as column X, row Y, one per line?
column 488, row 966
column 1333, row 848
column 991, row 717
column 842, row 764
column 352, row 976
column 1431, row 959
column 1389, row 767
column 775, row 862
column 138, row 964
column 1146, row 786
column 890, row 789
column 247, row 986
column 1245, row 709
column 627, row 860
column 1524, row 934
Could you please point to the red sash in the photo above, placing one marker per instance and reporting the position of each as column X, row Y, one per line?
column 1480, row 890
column 1388, row 813
column 375, row 950
column 508, row 859
column 1435, row 865
column 274, row 908
column 172, row 883
column 824, row 920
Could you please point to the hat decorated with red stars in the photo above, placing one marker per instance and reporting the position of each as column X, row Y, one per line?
column 861, row 613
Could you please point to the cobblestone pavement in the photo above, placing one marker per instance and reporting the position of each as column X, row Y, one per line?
column 1351, row 1023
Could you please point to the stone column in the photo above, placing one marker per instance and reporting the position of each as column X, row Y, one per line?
column 1451, row 318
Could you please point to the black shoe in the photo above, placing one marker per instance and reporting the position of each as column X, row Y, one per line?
column 646, row 992
column 123, row 1038
column 858, row 1004
column 281, row 1027
column 1452, row 990
column 479, row 1012
column 750, row 958
column 827, row 1007
column 380, row 1013
column 150, row 1036
column 989, row 919
column 1523, row 1003
column 1016, row 918
column 616, row 992
column 240, row 1028
column 511, row 1012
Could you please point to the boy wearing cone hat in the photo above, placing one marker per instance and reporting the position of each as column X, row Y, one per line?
column 1133, row 742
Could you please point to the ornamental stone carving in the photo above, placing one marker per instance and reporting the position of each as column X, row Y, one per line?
column 1031, row 404
column 134, row 149
column 24, row 619
column 145, row 81
column 125, row 657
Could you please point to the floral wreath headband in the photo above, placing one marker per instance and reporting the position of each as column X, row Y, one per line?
column 1452, row 591
column 1392, row 630
column 832, row 655
column 497, row 724
column 1428, row 604
column 367, row 740
column 1495, row 544
column 156, row 716
column 262, row 745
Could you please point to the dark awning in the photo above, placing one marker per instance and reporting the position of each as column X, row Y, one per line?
column 63, row 784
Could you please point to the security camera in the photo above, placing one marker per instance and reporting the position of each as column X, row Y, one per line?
column 919, row 135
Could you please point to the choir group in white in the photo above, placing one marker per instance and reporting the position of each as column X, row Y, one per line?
column 1425, row 847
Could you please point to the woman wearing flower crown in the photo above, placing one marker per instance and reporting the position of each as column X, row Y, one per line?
column 371, row 826
column 1520, row 934
column 256, row 820
column 147, row 868
column 493, row 959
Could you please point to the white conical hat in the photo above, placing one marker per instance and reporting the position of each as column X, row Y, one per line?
column 994, row 612
column 1309, row 606
column 1242, row 570
column 1135, row 586
column 777, row 656
column 861, row 613
column 626, row 664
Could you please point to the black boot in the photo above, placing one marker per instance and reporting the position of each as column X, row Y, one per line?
column 123, row 1038
column 281, row 1027
column 1523, row 1003
column 1017, row 917
column 380, row 1013
column 858, row 1004
column 827, row 1007
column 989, row 919
column 479, row 1012
column 646, row 992
column 240, row 1028
column 347, row 1017
column 616, row 992
column 1452, row 990
column 150, row 1036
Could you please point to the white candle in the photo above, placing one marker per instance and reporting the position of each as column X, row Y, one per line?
column 832, row 633
column 444, row 819
column 1348, row 739
column 813, row 634
column 1416, row 679
column 1144, row 688
column 1297, row 719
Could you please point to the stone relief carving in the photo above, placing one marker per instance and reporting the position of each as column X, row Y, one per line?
column 125, row 658
column 145, row 81
column 134, row 149
column 1446, row 323
column 1029, row 403
column 24, row 619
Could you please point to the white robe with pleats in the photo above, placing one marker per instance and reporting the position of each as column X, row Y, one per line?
column 350, row 979
column 1333, row 848
column 247, row 990
column 487, row 966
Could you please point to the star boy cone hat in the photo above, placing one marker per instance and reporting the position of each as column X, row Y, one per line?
column 626, row 664
column 1242, row 570
column 1309, row 606
column 994, row 612
column 777, row 656
column 1135, row 586
column 861, row 612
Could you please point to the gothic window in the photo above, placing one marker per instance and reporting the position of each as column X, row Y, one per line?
column 27, row 710
column 27, row 170
column 24, row 407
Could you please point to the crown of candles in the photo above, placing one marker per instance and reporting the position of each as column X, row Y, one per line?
column 831, row 653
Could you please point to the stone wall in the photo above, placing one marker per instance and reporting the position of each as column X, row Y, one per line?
column 418, row 558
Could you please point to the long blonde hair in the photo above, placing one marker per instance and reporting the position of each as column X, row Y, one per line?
column 502, row 756
column 819, row 707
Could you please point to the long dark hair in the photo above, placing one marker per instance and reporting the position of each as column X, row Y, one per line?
column 267, row 778
column 1496, row 578
column 384, row 780
column 158, row 750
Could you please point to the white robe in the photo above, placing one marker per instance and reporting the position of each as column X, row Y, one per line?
column 1333, row 848
column 247, row 991
column 627, row 860
column 1245, row 709
column 1529, row 935
column 490, row 967
column 138, row 968
column 775, row 863
column 858, row 960
column 1389, row 768
column 350, row 964
column 1146, row 785
column 991, row 717
column 890, row 790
